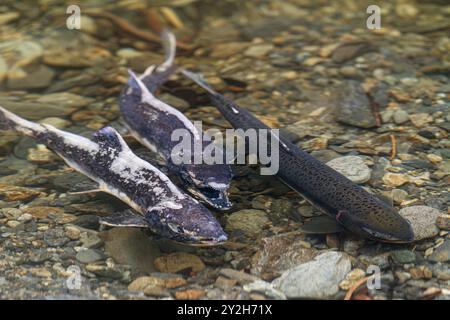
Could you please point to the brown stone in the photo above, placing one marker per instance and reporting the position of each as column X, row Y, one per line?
column 179, row 261
column 191, row 294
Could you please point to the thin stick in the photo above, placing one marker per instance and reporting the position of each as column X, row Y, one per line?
column 350, row 291
column 393, row 147
column 133, row 30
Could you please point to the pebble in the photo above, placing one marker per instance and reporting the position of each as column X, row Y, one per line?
column 191, row 294
column 349, row 51
column 223, row 282
column 399, row 195
column 14, row 193
column 406, row 10
column 72, row 232
column 13, row 224
column 403, row 256
column 443, row 222
column 351, row 278
column 353, row 107
column 25, row 217
column 8, row 17
column 179, row 261
column 240, row 276
column 419, row 120
column 258, row 51
column 249, row 221
column 90, row 240
column 317, row 279
column 423, row 221
column 400, row 116
column 35, row 77
column 441, row 271
column 51, row 105
column 265, row 288
column 420, row 272
column 441, row 253
column 90, row 256
column 352, row 167
column 395, row 179
column 162, row 280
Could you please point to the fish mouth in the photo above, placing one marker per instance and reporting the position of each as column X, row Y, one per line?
column 204, row 242
column 215, row 198
column 386, row 237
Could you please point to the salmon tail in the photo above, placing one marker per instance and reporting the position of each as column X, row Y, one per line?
column 11, row 121
column 170, row 46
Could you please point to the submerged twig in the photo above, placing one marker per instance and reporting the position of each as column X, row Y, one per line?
column 133, row 30
column 350, row 291
column 393, row 147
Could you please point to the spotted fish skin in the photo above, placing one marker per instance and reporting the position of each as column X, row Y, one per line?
column 357, row 210
column 152, row 123
column 108, row 160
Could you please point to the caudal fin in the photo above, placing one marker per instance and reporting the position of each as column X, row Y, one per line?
column 170, row 46
column 10, row 121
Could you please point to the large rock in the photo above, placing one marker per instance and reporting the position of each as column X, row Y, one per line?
column 422, row 220
column 132, row 247
column 317, row 279
column 353, row 107
column 50, row 105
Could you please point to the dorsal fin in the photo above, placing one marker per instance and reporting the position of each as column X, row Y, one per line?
column 108, row 137
column 170, row 44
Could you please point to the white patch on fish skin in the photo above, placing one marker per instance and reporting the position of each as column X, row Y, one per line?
column 218, row 186
column 129, row 91
column 234, row 110
column 74, row 140
column 130, row 168
column 149, row 98
column 103, row 186
column 166, row 204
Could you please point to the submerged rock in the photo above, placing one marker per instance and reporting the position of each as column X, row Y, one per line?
column 132, row 247
column 317, row 279
column 249, row 221
column 441, row 253
column 179, row 261
column 422, row 220
column 353, row 107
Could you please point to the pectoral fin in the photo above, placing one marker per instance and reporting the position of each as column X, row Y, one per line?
column 85, row 187
column 321, row 225
column 126, row 218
